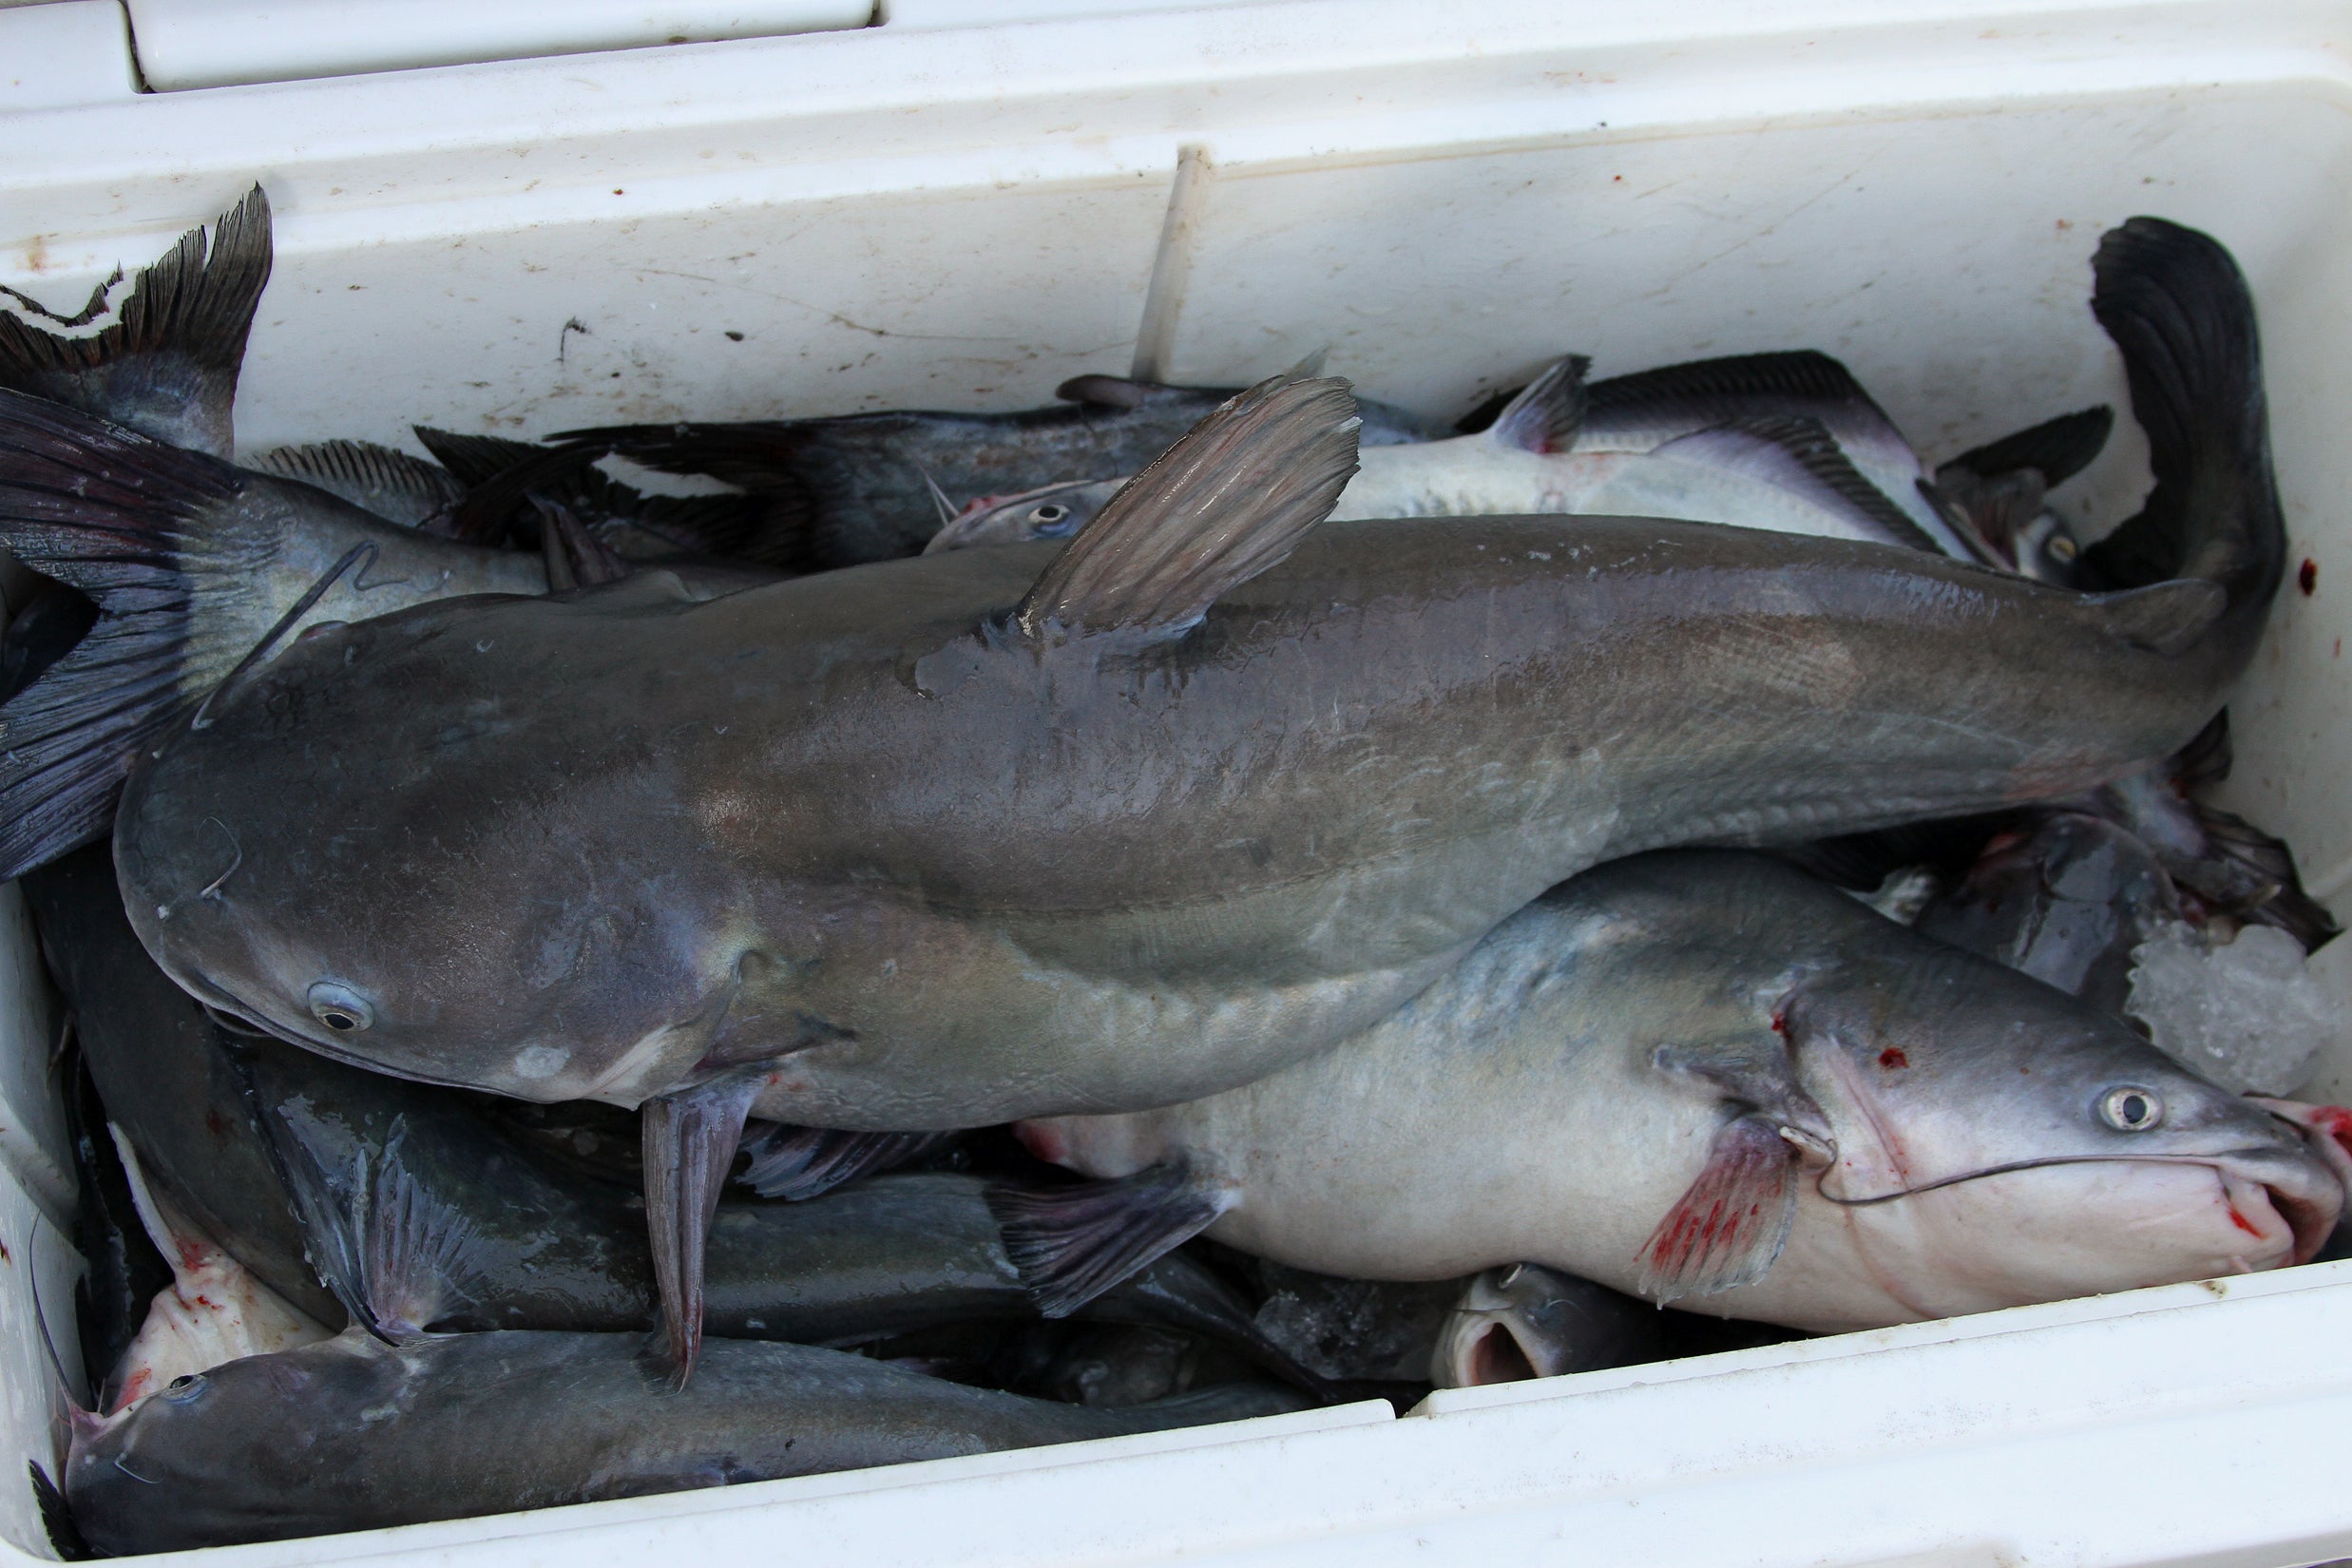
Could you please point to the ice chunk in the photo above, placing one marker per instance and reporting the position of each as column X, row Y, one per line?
column 2246, row 1013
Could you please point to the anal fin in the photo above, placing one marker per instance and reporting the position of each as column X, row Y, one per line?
column 799, row 1163
column 1073, row 1243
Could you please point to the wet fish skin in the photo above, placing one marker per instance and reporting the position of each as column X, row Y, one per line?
column 549, row 1252
column 1584, row 1075
column 863, row 483
column 272, row 1447
column 1787, row 688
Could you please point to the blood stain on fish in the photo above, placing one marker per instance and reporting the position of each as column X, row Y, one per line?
column 2308, row 577
column 1893, row 1056
column 2243, row 1223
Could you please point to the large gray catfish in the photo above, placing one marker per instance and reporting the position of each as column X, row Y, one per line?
column 1702, row 1073
column 1020, row 832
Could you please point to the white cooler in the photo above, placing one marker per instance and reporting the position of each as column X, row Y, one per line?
column 518, row 215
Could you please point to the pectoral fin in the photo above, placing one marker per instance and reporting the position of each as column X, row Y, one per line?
column 392, row 1252
column 690, row 1139
column 1730, row 1226
column 1073, row 1243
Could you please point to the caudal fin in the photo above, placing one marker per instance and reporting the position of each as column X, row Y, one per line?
column 2178, row 309
column 124, row 518
column 166, row 366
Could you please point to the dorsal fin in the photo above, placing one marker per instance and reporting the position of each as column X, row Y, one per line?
column 1797, row 454
column 1546, row 414
column 388, row 483
column 393, row 1254
column 1224, row 503
column 167, row 365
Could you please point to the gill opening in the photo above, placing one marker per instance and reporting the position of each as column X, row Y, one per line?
column 302, row 606
column 2028, row 1165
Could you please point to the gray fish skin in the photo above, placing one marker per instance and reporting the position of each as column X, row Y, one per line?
column 1293, row 819
column 886, row 1256
column 1554, row 1097
column 352, row 1434
column 865, row 481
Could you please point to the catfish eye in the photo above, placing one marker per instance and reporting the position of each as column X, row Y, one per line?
column 184, row 1388
column 1053, row 517
column 340, row 1008
column 2130, row 1110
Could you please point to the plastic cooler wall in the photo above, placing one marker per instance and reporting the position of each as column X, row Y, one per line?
column 964, row 219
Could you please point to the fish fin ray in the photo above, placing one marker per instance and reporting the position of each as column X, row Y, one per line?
column 1546, row 412
column 1798, row 453
column 690, row 1141
column 132, row 524
column 167, row 364
column 1227, row 501
column 57, row 1520
column 392, row 1252
column 1726, row 1230
column 355, row 470
column 799, row 1163
column 2179, row 311
column 2057, row 448
column 1073, row 1243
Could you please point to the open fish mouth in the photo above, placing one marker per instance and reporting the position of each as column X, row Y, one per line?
column 2265, row 1180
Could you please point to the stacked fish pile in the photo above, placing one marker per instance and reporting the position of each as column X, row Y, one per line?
column 1177, row 905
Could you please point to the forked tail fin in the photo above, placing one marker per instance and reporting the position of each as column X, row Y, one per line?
column 131, row 523
column 2178, row 309
column 167, row 365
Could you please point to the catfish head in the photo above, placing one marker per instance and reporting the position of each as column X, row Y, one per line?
column 2000, row 1142
column 291, row 855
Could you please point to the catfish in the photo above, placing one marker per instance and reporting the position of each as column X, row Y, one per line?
column 388, row 1425
column 1704, row 1076
column 245, row 1136
column 1036, row 830
column 1759, row 440
column 1765, row 471
column 874, row 486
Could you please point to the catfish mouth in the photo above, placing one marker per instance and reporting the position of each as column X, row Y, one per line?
column 2305, row 1202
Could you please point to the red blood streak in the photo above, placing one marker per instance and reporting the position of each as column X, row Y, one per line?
column 1893, row 1056
column 2336, row 1122
column 2243, row 1223
column 2308, row 577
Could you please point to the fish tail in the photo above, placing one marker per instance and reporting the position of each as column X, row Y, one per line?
column 2178, row 309
column 129, row 522
column 167, row 365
